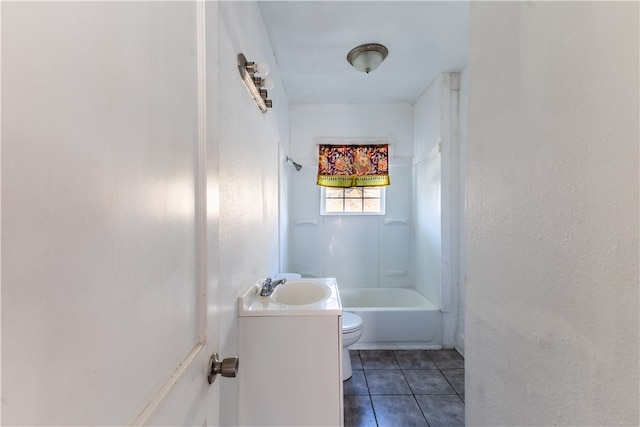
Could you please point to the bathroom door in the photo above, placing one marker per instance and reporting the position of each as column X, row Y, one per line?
column 109, row 311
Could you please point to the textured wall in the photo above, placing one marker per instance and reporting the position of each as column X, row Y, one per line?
column 552, row 214
column 436, row 194
column 248, row 167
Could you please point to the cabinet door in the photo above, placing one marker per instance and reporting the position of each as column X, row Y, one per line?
column 290, row 371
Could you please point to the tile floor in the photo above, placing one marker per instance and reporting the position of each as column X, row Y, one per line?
column 404, row 388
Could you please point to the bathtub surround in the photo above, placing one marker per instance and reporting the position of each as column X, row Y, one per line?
column 553, row 214
column 436, row 196
column 416, row 236
column 319, row 245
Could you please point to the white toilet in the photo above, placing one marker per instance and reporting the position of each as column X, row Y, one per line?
column 351, row 333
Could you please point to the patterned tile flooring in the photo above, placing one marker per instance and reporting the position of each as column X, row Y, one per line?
column 405, row 388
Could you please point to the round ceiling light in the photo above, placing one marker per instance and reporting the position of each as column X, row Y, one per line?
column 367, row 57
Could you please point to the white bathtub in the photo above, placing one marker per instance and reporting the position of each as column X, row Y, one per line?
column 394, row 318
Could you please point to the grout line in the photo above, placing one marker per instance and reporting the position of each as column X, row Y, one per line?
column 364, row 374
column 405, row 378
column 413, row 394
column 423, row 414
column 452, row 387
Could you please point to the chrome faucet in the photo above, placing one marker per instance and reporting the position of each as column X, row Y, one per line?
column 269, row 285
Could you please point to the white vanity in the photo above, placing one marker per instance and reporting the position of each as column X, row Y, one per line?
column 290, row 373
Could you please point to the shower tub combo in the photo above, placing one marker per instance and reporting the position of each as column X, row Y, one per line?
column 394, row 318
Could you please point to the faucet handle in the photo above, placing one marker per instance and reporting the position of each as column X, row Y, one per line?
column 267, row 287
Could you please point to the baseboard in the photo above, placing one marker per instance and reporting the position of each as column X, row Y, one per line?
column 395, row 346
column 460, row 344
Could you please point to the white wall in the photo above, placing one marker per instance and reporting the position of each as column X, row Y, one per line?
column 552, row 214
column 330, row 246
column 349, row 121
column 249, row 164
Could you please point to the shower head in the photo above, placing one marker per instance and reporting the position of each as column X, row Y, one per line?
column 295, row 165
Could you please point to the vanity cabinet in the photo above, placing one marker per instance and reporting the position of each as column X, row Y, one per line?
column 290, row 363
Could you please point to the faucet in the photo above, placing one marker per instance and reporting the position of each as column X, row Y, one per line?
column 269, row 285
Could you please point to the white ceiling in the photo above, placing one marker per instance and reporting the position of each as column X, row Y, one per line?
column 311, row 40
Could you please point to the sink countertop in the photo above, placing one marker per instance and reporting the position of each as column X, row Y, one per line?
column 252, row 304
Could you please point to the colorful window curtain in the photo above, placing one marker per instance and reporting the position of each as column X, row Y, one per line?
column 353, row 165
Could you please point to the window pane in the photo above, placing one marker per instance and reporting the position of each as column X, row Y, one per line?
column 334, row 192
column 352, row 201
column 353, row 192
column 353, row 205
column 371, row 205
column 372, row 192
column 333, row 205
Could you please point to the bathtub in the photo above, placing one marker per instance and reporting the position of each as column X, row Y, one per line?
column 394, row 318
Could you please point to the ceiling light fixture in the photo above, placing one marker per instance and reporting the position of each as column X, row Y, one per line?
column 367, row 57
column 257, row 86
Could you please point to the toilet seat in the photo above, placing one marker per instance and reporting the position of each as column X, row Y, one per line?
column 350, row 322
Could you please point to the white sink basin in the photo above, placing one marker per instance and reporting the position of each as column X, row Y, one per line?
column 298, row 297
column 301, row 292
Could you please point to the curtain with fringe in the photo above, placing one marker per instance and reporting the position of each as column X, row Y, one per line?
column 353, row 165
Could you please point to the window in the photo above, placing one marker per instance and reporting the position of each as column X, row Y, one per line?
column 352, row 201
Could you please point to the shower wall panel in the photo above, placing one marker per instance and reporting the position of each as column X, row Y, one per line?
column 360, row 251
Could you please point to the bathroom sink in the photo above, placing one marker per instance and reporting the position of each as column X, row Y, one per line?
column 315, row 296
column 301, row 292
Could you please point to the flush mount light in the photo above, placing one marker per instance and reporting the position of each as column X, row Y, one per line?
column 257, row 86
column 367, row 57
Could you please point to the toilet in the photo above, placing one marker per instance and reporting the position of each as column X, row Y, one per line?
column 351, row 333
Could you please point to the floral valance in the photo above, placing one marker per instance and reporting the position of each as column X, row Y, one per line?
column 353, row 165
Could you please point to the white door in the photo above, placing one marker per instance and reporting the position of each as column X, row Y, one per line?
column 108, row 283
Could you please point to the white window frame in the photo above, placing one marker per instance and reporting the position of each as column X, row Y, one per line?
column 323, row 200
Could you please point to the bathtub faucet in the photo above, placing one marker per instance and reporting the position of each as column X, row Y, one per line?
column 269, row 285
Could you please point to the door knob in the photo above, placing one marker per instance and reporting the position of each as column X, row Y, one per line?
column 227, row 368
